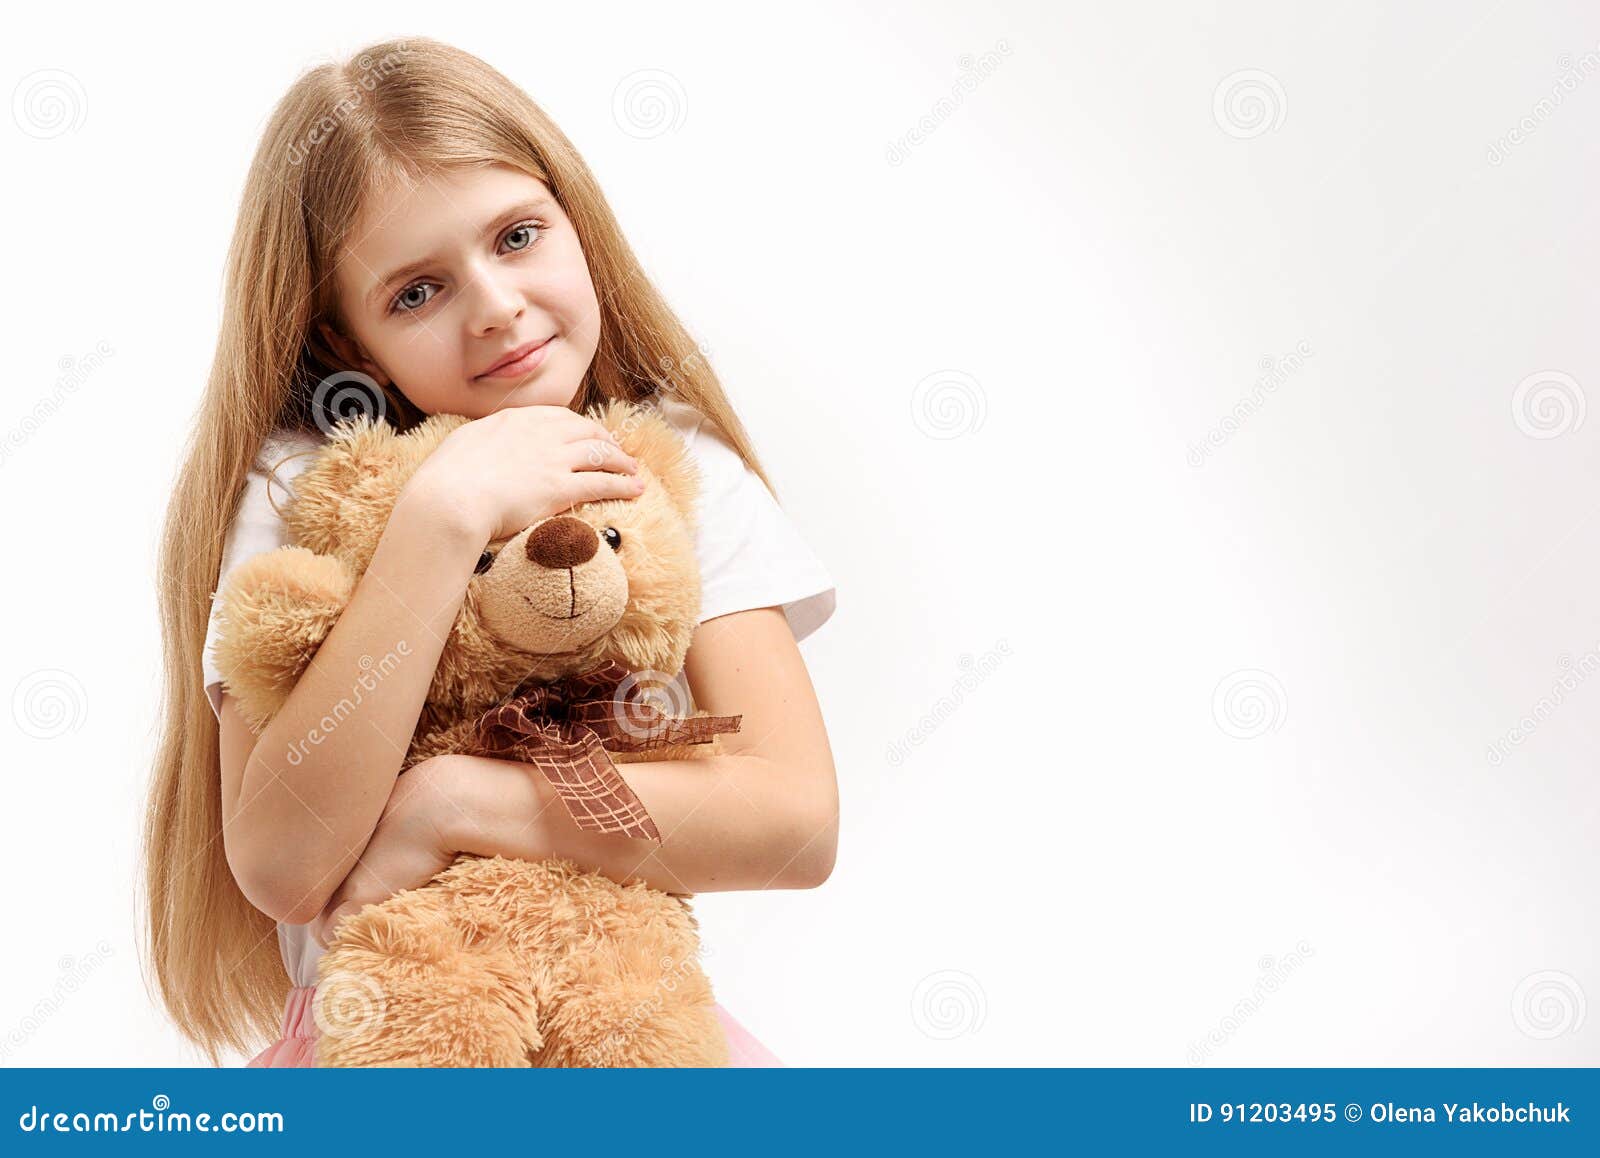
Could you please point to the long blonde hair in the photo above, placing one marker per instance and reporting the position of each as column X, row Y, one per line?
column 395, row 108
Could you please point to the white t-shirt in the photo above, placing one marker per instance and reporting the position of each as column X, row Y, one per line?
column 750, row 553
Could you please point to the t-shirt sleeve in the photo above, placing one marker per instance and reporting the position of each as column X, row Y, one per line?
column 750, row 551
column 256, row 527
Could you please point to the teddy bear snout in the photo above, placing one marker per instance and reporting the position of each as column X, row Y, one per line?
column 562, row 542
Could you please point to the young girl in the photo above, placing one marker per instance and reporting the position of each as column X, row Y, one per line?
column 415, row 226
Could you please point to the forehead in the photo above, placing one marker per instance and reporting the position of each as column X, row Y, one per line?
column 407, row 219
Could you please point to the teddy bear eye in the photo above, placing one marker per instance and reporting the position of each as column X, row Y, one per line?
column 485, row 561
column 613, row 538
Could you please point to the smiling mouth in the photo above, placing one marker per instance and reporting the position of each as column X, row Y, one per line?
column 547, row 615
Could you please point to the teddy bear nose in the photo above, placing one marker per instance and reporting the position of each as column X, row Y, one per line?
column 562, row 542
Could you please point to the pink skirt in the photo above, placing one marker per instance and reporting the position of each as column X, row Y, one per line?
column 296, row 1046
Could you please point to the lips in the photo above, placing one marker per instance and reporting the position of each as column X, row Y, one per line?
column 515, row 355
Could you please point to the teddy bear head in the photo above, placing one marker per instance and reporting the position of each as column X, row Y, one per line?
column 608, row 581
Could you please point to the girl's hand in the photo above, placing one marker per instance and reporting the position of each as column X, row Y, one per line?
column 510, row 469
column 413, row 841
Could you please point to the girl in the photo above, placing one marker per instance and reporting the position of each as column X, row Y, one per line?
column 415, row 225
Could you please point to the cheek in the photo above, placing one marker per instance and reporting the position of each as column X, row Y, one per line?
column 576, row 300
column 426, row 366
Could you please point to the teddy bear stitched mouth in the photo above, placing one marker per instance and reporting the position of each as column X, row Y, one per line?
column 563, row 618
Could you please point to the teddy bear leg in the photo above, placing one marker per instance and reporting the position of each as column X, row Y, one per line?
column 633, row 1025
column 400, row 988
column 644, row 1002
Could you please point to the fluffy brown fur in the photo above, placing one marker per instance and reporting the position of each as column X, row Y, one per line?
column 496, row 962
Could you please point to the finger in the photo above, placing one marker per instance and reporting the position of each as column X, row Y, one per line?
column 597, row 485
column 597, row 454
column 580, row 426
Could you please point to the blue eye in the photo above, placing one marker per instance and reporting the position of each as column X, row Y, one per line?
column 400, row 306
column 524, row 228
column 399, row 299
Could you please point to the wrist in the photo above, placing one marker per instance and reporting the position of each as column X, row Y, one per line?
column 443, row 513
column 501, row 808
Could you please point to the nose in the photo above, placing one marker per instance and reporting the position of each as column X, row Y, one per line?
column 495, row 303
column 562, row 542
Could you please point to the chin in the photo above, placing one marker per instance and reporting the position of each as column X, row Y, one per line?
column 539, row 394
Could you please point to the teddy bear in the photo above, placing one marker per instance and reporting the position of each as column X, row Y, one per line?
column 497, row 961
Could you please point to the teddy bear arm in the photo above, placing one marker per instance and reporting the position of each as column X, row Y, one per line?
column 273, row 613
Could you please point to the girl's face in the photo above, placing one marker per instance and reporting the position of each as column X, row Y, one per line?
column 445, row 278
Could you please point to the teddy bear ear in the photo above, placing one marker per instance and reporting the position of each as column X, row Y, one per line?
column 342, row 501
column 646, row 435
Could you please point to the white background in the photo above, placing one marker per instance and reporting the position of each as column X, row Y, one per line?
column 978, row 375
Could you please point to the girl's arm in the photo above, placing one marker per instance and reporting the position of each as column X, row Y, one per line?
column 764, row 815
column 293, row 828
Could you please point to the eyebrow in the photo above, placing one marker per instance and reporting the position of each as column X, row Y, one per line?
column 388, row 281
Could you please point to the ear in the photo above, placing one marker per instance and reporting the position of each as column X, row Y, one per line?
column 273, row 614
column 648, row 437
column 350, row 353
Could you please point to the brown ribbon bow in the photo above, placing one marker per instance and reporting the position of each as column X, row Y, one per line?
column 565, row 727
